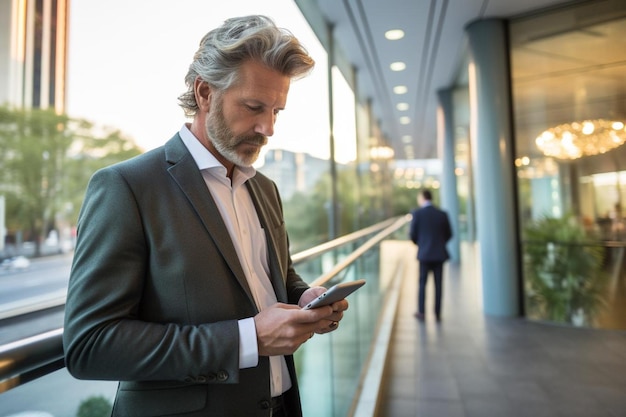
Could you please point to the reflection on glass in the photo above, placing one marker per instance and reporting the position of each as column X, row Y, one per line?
column 570, row 137
column 578, row 139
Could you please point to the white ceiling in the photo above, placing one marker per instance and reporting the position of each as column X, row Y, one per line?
column 433, row 50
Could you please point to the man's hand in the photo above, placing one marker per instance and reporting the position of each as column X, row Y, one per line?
column 332, row 321
column 283, row 328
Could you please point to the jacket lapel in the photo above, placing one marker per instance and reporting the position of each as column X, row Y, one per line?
column 276, row 276
column 185, row 173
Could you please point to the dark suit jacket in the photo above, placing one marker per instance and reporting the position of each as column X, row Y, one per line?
column 430, row 230
column 156, row 290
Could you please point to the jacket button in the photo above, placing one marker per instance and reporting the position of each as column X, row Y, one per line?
column 222, row 376
column 201, row 379
column 188, row 380
column 265, row 405
column 211, row 377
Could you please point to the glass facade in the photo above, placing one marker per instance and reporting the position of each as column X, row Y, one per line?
column 463, row 163
column 568, row 72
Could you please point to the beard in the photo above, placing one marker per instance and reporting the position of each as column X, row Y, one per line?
column 227, row 143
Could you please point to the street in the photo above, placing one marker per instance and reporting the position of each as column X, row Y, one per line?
column 43, row 276
column 57, row 394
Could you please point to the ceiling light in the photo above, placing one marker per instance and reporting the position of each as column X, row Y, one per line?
column 578, row 139
column 397, row 66
column 402, row 106
column 407, row 139
column 394, row 34
column 400, row 89
column 405, row 120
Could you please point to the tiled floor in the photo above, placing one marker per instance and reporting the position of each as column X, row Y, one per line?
column 471, row 365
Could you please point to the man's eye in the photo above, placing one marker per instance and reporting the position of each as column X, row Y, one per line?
column 254, row 108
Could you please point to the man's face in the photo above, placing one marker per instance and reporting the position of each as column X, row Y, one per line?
column 241, row 118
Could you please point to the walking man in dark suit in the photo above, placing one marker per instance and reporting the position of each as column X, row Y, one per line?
column 430, row 231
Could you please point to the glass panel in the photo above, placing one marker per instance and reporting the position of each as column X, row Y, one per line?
column 345, row 140
column 569, row 91
column 463, row 165
column 330, row 366
column 297, row 156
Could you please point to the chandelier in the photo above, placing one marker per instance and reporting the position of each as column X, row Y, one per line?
column 578, row 139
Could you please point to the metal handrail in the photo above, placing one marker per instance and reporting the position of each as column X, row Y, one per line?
column 30, row 358
column 318, row 250
column 33, row 357
column 397, row 224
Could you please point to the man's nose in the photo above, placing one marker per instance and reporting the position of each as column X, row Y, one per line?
column 265, row 124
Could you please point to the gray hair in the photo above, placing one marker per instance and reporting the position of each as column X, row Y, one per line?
column 223, row 50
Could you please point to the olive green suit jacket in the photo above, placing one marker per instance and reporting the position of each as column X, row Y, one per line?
column 156, row 290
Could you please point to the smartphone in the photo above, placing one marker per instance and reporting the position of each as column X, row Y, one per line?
column 335, row 293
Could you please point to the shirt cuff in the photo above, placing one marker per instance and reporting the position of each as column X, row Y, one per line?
column 248, row 348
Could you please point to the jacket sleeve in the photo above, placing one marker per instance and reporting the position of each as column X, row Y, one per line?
column 106, row 335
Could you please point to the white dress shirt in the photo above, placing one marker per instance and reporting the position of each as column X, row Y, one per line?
column 241, row 219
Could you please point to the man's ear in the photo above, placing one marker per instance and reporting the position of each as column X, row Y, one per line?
column 203, row 93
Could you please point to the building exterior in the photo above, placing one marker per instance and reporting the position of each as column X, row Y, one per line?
column 295, row 172
column 33, row 53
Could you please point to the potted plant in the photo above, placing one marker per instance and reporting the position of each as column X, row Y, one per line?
column 564, row 280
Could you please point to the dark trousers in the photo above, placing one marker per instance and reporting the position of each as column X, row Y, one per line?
column 425, row 268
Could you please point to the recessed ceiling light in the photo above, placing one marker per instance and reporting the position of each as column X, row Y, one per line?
column 397, row 66
column 402, row 106
column 407, row 139
column 400, row 89
column 405, row 120
column 394, row 34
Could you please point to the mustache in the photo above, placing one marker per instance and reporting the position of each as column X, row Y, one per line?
column 256, row 139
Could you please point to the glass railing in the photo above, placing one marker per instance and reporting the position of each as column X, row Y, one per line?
column 33, row 378
column 331, row 367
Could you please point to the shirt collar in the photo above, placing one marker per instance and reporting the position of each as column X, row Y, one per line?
column 205, row 159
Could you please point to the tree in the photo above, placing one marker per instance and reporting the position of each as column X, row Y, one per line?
column 45, row 163
column 307, row 213
column 96, row 406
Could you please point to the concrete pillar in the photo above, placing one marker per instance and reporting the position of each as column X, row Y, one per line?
column 492, row 160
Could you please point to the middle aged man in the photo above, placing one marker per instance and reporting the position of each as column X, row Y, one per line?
column 182, row 285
